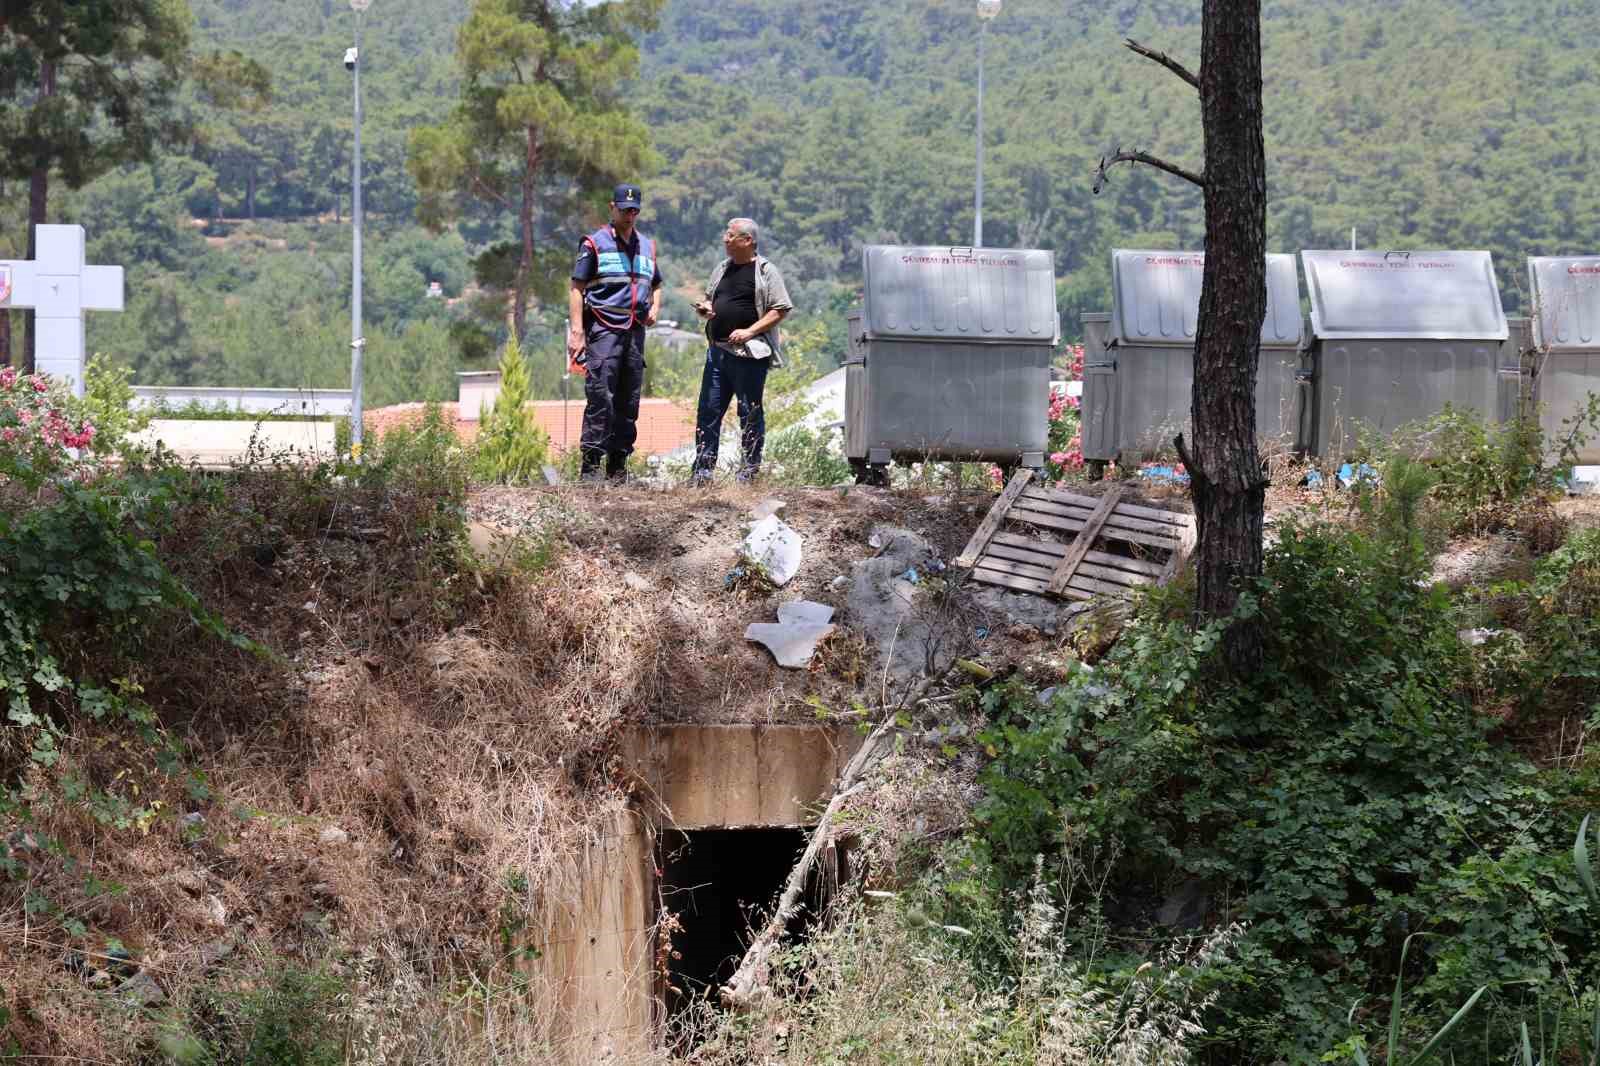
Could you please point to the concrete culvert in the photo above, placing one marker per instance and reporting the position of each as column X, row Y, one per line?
column 720, row 885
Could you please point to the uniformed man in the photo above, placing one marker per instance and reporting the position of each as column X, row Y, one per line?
column 615, row 295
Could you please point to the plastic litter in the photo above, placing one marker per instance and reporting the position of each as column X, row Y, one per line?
column 1585, row 481
column 773, row 544
column 1350, row 475
column 912, row 576
column 1164, row 475
column 802, row 625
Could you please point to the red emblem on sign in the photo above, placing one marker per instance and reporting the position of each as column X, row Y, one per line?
column 5, row 284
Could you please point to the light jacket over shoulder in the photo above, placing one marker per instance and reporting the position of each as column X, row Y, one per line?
column 770, row 292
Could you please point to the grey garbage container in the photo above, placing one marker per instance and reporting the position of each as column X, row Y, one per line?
column 1396, row 336
column 1139, row 359
column 949, row 358
column 1565, row 349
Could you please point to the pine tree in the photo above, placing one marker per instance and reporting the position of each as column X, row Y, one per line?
column 511, row 446
column 542, row 111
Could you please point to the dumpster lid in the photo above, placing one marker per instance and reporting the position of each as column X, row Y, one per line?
column 1156, row 299
column 1566, row 301
column 981, row 295
column 1404, row 296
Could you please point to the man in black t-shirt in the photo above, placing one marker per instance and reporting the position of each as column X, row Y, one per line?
column 745, row 300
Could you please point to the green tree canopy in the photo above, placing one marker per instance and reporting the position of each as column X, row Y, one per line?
column 542, row 123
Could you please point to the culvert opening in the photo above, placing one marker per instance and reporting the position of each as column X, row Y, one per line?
column 721, row 884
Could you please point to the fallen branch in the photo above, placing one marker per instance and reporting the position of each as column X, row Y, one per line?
column 750, row 979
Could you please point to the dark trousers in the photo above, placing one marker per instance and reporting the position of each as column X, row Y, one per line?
column 612, row 385
column 728, row 376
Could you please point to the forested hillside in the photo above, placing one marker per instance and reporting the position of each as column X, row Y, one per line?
column 1422, row 123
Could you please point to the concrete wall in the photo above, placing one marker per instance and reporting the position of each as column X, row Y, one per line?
column 596, row 974
column 216, row 442
column 316, row 402
column 726, row 776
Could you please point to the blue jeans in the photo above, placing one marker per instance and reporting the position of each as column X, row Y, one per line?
column 726, row 377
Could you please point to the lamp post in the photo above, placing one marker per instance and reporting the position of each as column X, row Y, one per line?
column 987, row 9
column 358, row 343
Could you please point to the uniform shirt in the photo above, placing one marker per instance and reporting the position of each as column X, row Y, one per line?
column 587, row 267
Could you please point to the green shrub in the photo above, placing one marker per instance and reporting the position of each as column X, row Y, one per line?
column 511, row 448
column 1339, row 799
column 800, row 455
column 294, row 1019
column 1484, row 475
column 108, row 401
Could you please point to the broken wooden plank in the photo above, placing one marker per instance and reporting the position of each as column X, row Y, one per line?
column 1119, row 517
column 1082, row 583
column 1114, row 575
column 1096, row 564
column 1080, row 547
column 1020, row 547
column 996, row 515
column 1045, row 520
column 1021, row 584
column 1072, row 499
column 1040, row 571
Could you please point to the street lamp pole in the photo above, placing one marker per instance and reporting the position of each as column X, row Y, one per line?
column 987, row 9
column 358, row 343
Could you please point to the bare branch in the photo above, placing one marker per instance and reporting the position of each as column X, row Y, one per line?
column 1165, row 60
column 1119, row 156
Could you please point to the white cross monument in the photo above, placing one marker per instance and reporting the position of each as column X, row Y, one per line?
column 60, row 289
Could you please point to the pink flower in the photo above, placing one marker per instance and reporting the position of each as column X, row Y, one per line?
column 1059, row 458
column 8, row 377
column 8, row 434
column 40, row 384
column 25, row 416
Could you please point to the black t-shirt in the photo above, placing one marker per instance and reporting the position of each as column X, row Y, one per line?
column 733, row 305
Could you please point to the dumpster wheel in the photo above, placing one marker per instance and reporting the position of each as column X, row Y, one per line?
column 874, row 474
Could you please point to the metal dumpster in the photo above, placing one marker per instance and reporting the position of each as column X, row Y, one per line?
column 1565, row 356
column 1138, row 360
column 1397, row 335
column 950, row 357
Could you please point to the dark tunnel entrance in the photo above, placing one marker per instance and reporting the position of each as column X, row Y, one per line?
column 721, row 884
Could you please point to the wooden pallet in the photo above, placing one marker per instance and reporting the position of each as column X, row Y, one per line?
column 1152, row 543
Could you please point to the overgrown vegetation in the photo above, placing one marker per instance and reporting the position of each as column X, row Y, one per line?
column 1364, row 786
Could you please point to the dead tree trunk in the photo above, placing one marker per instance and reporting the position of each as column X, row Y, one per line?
column 1224, row 462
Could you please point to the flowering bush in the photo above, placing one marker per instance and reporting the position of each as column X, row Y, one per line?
column 37, row 427
column 1064, row 444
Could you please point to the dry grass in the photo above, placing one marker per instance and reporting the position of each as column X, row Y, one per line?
column 454, row 730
